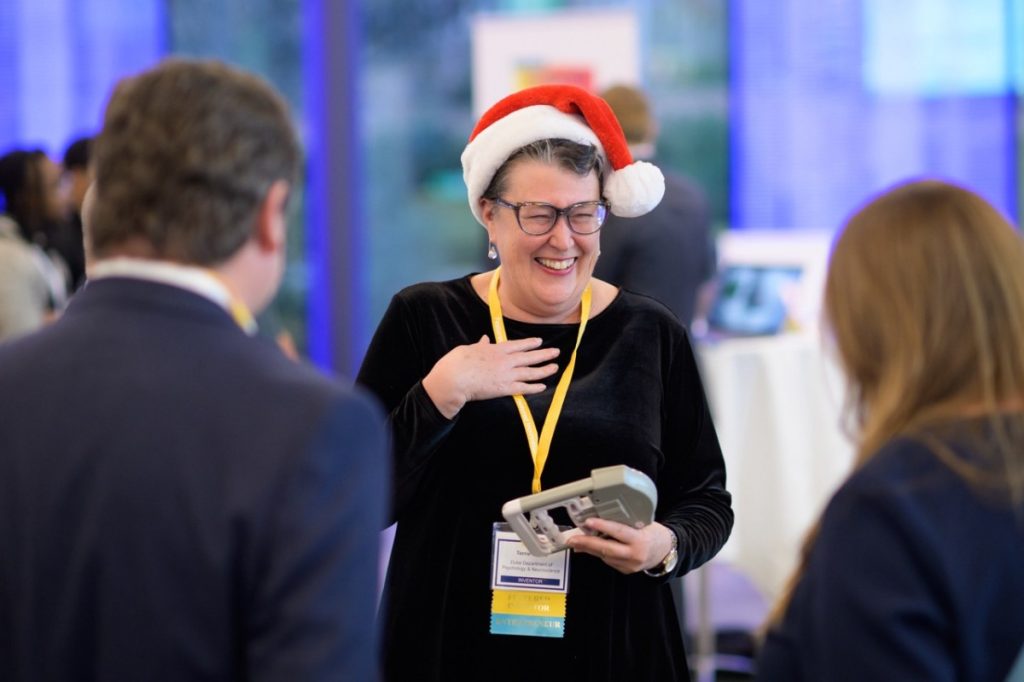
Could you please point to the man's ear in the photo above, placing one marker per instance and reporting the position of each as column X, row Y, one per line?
column 270, row 220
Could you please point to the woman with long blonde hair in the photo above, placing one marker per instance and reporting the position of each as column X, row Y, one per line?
column 916, row 569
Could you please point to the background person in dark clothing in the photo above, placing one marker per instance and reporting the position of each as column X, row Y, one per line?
column 78, row 176
column 668, row 253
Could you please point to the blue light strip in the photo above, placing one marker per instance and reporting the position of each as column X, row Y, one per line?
column 736, row 79
column 1015, row 102
column 317, row 209
column 336, row 233
column 10, row 47
column 61, row 58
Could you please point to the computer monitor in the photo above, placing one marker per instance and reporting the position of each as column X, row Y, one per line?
column 754, row 300
column 768, row 282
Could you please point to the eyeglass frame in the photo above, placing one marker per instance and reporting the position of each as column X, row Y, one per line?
column 559, row 212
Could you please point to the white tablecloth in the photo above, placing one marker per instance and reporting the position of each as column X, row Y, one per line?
column 776, row 403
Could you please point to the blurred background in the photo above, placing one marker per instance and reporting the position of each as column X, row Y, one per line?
column 785, row 113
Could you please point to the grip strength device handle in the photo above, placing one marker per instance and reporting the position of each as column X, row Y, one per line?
column 617, row 493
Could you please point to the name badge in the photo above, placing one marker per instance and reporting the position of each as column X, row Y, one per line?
column 514, row 568
column 528, row 592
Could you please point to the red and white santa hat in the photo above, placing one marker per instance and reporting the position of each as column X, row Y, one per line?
column 632, row 188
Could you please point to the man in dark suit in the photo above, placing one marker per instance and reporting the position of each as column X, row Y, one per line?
column 670, row 252
column 178, row 501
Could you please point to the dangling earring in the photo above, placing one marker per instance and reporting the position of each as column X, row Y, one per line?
column 492, row 251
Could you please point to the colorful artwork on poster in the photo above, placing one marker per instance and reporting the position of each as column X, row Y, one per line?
column 530, row 74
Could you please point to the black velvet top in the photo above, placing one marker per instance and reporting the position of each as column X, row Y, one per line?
column 636, row 398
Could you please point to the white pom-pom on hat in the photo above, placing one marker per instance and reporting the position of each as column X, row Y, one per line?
column 632, row 188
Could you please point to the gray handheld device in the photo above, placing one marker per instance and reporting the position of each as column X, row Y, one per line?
column 617, row 493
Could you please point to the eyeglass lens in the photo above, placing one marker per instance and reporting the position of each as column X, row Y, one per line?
column 583, row 218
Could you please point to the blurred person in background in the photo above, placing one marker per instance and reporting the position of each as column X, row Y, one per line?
column 915, row 571
column 25, row 300
column 33, row 278
column 207, row 509
column 670, row 252
column 465, row 367
column 78, row 176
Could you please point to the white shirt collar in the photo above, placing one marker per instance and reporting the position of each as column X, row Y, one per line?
column 189, row 277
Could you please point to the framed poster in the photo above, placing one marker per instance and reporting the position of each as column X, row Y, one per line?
column 590, row 48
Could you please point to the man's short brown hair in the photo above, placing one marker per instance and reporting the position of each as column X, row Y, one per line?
column 187, row 153
column 633, row 111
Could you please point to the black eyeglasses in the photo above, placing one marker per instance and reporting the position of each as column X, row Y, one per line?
column 536, row 218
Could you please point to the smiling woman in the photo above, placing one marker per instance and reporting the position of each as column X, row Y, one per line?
column 545, row 273
column 464, row 367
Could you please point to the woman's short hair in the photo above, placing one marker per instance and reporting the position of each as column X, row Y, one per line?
column 581, row 159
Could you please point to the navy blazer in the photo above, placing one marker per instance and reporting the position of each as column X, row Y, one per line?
column 917, row 574
column 179, row 501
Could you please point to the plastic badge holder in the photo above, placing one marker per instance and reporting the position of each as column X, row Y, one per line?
column 617, row 493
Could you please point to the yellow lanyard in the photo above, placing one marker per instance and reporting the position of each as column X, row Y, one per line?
column 239, row 311
column 242, row 315
column 539, row 449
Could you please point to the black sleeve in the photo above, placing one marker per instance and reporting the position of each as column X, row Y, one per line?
column 693, row 501
column 393, row 370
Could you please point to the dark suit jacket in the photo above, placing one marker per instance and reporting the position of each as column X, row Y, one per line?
column 666, row 254
column 178, row 501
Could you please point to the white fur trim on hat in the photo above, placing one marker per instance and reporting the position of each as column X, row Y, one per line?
column 482, row 157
